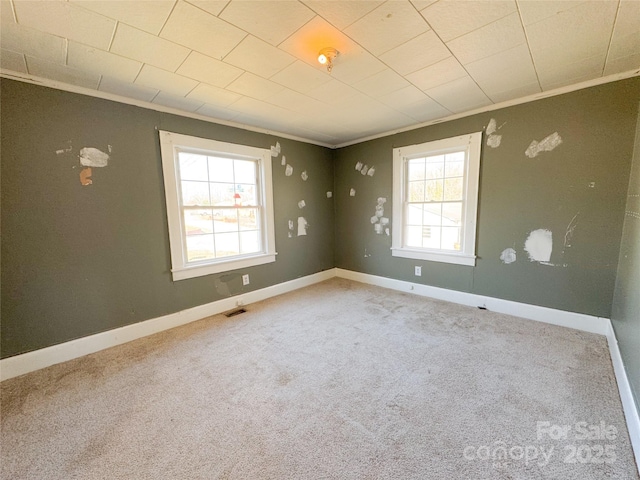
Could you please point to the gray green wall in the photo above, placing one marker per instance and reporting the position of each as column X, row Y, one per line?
column 81, row 260
column 625, row 314
column 585, row 177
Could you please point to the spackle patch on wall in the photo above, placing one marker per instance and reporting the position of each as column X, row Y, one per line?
column 302, row 226
column 283, row 162
column 378, row 220
column 288, row 171
column 329, row 194
column 275, row 149
column 93, row 157
column 508, row 256
column 304, row 176
column 87, row 159
column 372, row 171
column 493, row 139
column 301, row 204
column 359, row 166
column 545, row 145
column 352, row 192
column 539, row 245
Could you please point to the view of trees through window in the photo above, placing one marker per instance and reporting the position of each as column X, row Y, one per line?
column 220, row 206
column 435, row 197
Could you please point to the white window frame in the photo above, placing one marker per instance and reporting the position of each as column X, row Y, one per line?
column 471, row 144
column 170, row 144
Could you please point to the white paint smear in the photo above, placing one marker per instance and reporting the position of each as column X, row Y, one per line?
column 274, row 152
column 508, row 255
column 492, row 127
column 329, row 194
column 92, row 157
column 494, row 140
column 301, row 204
column 290, row 234
column 545, row 145
column 371, row 171
column 352, row 192
column 378, row 228
column 304, row 176
column 384, row 221
column 364, row 170
column 359, row 166
column 539, row 245
column 288, row 171
column 290, row 224
column 386, row 230
column 381, row 200
column 283, row 162
column 374, row 219
column 302, row 226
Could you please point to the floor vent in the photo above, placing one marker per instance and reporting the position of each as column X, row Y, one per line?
column 233, row 313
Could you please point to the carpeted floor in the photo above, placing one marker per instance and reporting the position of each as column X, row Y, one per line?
column 336, row 381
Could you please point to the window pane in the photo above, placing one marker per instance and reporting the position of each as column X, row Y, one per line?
column 431, row 237
column 248, row 218
column 227, row 244
column 453, row 188
column 197, row 222
column 433, row 191
column 225, row 220
column 416, row 192
column 245, row 171
column 222, row 194
column 416, row 169
column 435, row 167
column 455, row 164
column 414, row 236
column 250, row 242
column 220, row 169
column 432, row 214
column 414, row 215
column 193, row 166
column 451, row 238
column 452, row 214
column 247, row 194
column 195, row 193
column 200, row 247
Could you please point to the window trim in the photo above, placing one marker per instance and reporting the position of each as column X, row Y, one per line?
column 472, row 144
column 170, row 144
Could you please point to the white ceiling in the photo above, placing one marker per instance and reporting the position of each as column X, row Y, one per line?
column 401, row 62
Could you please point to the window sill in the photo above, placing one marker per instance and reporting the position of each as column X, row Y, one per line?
column 193, row 271
column 455, row 258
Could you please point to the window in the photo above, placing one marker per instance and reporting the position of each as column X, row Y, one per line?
column 219, row 205
column 435, row 200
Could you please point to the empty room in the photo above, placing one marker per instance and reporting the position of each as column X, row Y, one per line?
column 309, row 239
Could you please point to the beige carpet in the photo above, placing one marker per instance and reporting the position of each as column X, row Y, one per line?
column 336, row 381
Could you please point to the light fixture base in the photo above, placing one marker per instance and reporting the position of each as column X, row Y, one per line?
column 326, row 56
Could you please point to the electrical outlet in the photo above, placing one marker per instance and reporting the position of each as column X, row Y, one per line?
column 245, row 279
column 418, row 271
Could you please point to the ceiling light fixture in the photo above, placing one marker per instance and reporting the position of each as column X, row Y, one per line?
column 326, row 56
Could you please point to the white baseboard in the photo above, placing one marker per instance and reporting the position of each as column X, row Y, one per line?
column 626, row 395
column 45, row 357
column 562, row 318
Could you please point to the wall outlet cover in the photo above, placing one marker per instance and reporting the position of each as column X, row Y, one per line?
column 418, row 271
column 245, row 279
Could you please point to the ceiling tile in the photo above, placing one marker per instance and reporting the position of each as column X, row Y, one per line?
column 332, row 92
column 205, row 33
column 32, row 42
column 61, row 73
column 250, row 107
column 6, row 13
column 622, row 64
column 504, row 71
column 341, row 13
column 534, row 11
column 168, row 82
column 297, row 102
column 125, row 89
column 177, row 102
column 459, row 95
column 403, row 97
column 208, row 70
column 626, row 32
column 97, row 61
column 214, row 7
column 254, row 86
column 566, row 73
column 485, row 41
column 417, row 53
column 381, row 83
column 213, row 95
column 12, row 61
column 581, row 32
column 216, row 112
column 514, row 93
column 422, row 4
column 270, row 21
column 144, row 47
column 437, row 74
column 453, row 18
column 147, row 15
column 388, row 26
column 356, row 66
column 256, row 56
column 301, row 77
column 425, row 110
column 67, row 20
